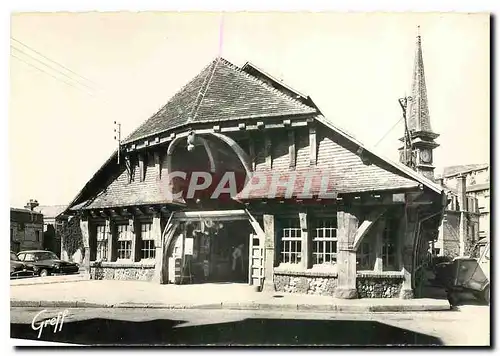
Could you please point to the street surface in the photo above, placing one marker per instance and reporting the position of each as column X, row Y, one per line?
column 470, row 325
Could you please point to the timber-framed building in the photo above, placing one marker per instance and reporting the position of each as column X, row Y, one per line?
column 368, row 237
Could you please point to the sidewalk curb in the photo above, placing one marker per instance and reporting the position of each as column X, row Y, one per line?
column 241, row 306
column 50, row 280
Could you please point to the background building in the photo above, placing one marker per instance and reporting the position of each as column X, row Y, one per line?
column 54, row 223
column 467, row 216
column 26, row 228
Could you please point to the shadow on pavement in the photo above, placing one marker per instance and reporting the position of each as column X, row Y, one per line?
column 255, row 332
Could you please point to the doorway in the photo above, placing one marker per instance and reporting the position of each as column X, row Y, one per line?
column 218, row 251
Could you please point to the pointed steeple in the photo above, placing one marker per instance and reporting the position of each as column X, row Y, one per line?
column 418, row 106
column 420, row 139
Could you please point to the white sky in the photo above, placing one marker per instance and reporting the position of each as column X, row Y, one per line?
column 354, row 66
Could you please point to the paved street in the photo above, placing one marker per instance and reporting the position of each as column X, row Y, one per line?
column 467, row 326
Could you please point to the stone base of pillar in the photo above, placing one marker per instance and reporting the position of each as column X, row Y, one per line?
column 406, row 294
column 346, row 293
column 268, row 287
column 158, row 273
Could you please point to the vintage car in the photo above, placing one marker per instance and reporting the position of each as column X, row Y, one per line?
column 48, row 263
column 466, row 274
column 20, row 269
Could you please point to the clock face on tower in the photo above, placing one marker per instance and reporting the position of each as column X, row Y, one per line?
column 426, row 156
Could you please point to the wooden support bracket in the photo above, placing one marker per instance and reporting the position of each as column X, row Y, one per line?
column 365, row 227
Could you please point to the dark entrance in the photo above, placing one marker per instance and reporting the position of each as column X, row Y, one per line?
column 220, row 252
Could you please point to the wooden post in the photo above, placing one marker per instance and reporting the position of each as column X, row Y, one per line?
column 157, row 158
column 312, row 146
column 346, row 255
column 135, row 231
column 84, row 227
column 379, row 245
column 111, row 240
column 305, row 251
column 291, row 148
column 159, row 258
column 270, row 233
column 411, row 225
column 267, row 151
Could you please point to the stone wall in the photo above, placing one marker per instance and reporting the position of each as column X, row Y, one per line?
column 378, row 287
column 124, row 273
column 305, row 284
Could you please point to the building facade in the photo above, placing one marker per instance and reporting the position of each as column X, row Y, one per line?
column 239, row 178
column 54, row 223
column 459, row 230
column 26, row 228
column 477, row 181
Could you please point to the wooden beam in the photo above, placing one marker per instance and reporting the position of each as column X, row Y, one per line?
column 157, row 164
column 251, row 148
column 366, row 225
column 128, row 166
column 312, row 146
column 291, row 148
column 267, row 151
column 142, row 167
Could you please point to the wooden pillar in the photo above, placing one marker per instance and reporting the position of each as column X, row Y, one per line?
column 84, row 227
column 136, row 247
column 268, row 151
column 270, row 233
column 379, row 245
column 110, row 233
column 305, row 251
column 347, row 225
column 408, row 239
column 159, row 250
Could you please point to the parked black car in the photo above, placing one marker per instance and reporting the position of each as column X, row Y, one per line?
column 48, row 263
column 20, row 269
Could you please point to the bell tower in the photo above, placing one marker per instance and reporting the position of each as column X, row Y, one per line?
column 418, row 141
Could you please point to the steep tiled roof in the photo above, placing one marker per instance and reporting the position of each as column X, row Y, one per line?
column 222, row 91
column 122, row 193
column 338, row 165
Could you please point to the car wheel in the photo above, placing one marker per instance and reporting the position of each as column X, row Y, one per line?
column 486, row 295
column 44, row 273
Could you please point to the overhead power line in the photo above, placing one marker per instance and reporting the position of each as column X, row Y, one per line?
column 387, row 133
column 53, row 61
column 49, row 74
column 54, row 68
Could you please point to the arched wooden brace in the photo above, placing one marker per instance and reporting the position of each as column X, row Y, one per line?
column 240, row 153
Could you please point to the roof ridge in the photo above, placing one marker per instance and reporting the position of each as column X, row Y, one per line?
column 265, row 85
column 171, row 98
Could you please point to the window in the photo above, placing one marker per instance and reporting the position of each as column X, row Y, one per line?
column 363, row 257
column 124, row 242
column 29, row 257
column 11, row 234
column 389, row 245
column 325, row 241
column 37, row 236
column 102, row 243
column 148, row 249
column 291, row 243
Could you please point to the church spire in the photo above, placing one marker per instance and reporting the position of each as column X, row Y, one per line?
column 418, row 140
column 418, row 107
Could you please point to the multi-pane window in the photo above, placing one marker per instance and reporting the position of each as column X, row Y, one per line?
column 389, row 244
column 148, row 249
column 325, row 241
column 124, row 241
column 363, row 257
column 102, row 244
column 291, row 243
